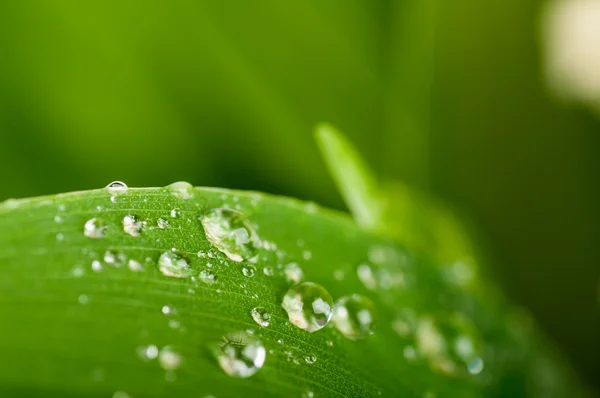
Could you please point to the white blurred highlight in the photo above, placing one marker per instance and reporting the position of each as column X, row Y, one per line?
column 571, row 36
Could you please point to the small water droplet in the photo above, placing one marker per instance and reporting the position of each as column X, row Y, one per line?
column 174, row 324
column 329, row 343
column 354, row 316
column 476, row 366
column 97, row 266
column 77, row 271
column 133, row 226
column 201, row 254
column 169, row 359
column 231, row 233
column 117, row 188
column 60, row 236
column 173, row 265
column 280, row 341
column 207, row 277
column 176, row 213
column 162, row 223
column 268, row 271
column 365, row 274
column 307, row 255
column 240, row 354
column 248, row 271
column 120, row 394
column 338, row 275
column 181, row 190
column 58, row 219
column 95, row 228
column 83, row 299
column 260, row 316
column 309, row 306
column 293, row 272
column 308, row 394
column 135, row 266
column 310, row 359
column 168, row 310
column 147, row 353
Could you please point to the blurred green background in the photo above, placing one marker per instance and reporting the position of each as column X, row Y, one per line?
column 447, row 96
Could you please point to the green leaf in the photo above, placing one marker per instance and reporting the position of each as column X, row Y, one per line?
column 74, row 324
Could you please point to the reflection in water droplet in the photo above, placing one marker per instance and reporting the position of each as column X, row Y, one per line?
column 169, row 359
column 95, row 228
column 117, row 188
column 133, row 226
column 240, row 354
column 260, row 316
column 162, row 223
column 309, row 306
column 293, row 273
column 354, row 316
column 475, row 367
column 181, row 190
column 173, row 265
column 231, row 233
column 168, row 310
column 248, row 271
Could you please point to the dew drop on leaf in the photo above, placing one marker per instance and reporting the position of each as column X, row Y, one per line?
column 117, row 188
column 260, row 316
column 240, row 354
column 95, row 228
column 135, row 265
column 147, row 353
column 310, row 359
column 354, row 316
column 97, row 266
column 173, row 265
column 181, row 190
column 293, row 272
column 169, row 359
column 133, row 226
column 162, row 223
column 231, row 233
column 248, row 271
column 207, row 277
column 176, row 213
column 309, row 306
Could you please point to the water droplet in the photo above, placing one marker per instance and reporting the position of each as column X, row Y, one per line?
column 241, row 355
column 168, row 310
column 307, row 255
column 268, row 271
column 176, row 213
column 309, row 306
column 95, row 228
column 133, row 226
column 231, row 233
column 248, row 271
column 120, row 394
column 77, row 271
column 405, row 323
column 308, row 394
column 97, row 266
column 147, row 353
column 207, row 277
column 58, row 219
column 181, row 190
column 162, row 223
column 475, row 367
column 60, row 236
column 354, row 316
column 365, row 274
column 329, row 343
column 310, row 359
column 135, row 266
column 83, row 299
column 338, row 275
column 174, row 324
column 117, row 188
column 293, row 273
column 174, row 265
column 169, row 359
column 260, row 316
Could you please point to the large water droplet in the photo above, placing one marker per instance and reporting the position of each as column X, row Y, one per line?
column 231, row 233
column 162, row 223
column 241, row 355
column 355, row 316
column 95, row 228
column 181, row 190
column 260, row 316
column 169, row 359
column 309, row 306
column 117, row 188
column 173, row 265
column 133, row 226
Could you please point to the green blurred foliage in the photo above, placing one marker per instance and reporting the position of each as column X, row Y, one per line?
column 446, row 96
